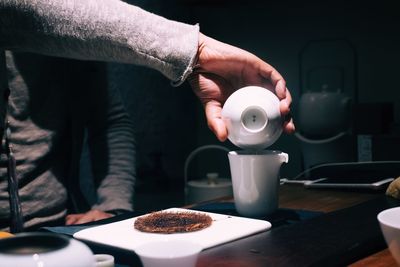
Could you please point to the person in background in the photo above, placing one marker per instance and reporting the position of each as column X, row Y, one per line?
column 53, row 102
column 107, row 31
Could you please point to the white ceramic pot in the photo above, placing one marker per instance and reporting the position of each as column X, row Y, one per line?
column 202, row 190
column 252, row 116
column 206, row 189
column 44, row 249
column 389, row 221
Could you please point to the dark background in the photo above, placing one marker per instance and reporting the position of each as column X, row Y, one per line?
column 170, row 123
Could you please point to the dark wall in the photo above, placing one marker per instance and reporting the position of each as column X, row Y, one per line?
column 170, row 122
column 280, row 31
column 165, row 117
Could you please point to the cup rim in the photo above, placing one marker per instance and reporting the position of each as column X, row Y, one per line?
column 249, row 152
column 52, row 241
column 383, row 220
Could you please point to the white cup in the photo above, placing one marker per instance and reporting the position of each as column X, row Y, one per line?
column 389, row 221
column 255, row 180
column 104, row 260
column 169, row 253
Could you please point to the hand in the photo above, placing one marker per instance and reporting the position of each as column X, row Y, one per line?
column 90, row 216
column 222, row 69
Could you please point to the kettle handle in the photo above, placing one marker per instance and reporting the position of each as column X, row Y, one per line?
column 194, row 153
column 319, row 141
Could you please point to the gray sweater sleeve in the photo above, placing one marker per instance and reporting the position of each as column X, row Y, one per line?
column 112, row 150
column 103, row 30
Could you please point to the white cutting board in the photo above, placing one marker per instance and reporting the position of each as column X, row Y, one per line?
column 224, row 228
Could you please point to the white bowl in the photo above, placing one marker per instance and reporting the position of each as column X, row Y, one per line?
column 252, row 117
column 389, row 221
column 169, row 253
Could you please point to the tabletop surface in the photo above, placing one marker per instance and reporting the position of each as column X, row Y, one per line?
column 313, row 227
column 347, row 232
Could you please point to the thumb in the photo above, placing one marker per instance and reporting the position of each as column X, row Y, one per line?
column 215, row 121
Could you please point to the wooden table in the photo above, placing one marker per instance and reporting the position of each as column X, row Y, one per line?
column 342, row 231
column 328, row 200
column 252, row 251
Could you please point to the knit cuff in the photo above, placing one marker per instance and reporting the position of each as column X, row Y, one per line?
column 190, row 67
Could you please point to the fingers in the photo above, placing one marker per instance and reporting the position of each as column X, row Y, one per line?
column 285, row 103
column 288, row 126
column 72, row 219
column 279, row 85
column 280, row 89
column 270, row 73
column 90, row 216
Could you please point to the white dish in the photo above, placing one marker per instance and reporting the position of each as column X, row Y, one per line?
column 253, row 118
column 389, row 220
column 224, row 228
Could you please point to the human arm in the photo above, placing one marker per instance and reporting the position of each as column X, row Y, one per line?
column 112, row 161
column 101, row 30
column 109, row 158
column 111, row 30
column 111, row 145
